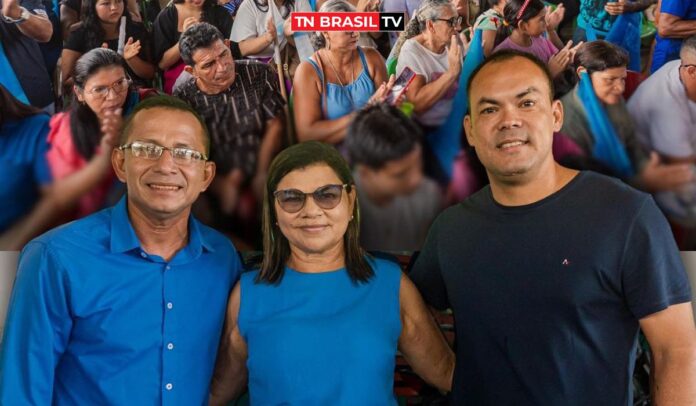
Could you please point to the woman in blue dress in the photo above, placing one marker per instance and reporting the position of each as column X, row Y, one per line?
column 321, row 321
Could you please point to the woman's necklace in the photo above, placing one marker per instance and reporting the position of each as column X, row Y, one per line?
column 338, row 77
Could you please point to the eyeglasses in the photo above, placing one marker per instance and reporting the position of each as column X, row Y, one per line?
column 452, row 22
column 150, row 151
column 293, row 200
column 686, row 66
column 119, row 86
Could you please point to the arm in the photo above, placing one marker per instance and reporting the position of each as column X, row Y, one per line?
column 555, row 39
column 307, row 99
column 68, row 17
column 131, row 53
column 68, row 59
column 488, row 38
column 170, row 57
column 672, row 337
column 671, row 26
column 41, row 296
column 422, row 344
column 37, row 27
column 270, row 144
column 255, row 45
column 230, row 376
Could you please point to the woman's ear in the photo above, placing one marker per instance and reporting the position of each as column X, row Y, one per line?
column 579, row 70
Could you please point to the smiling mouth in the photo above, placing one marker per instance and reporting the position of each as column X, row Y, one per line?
column 163, row 188
column 313, row 229
column 511, row 144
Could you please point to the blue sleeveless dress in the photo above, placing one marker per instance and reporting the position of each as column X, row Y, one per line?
column 338, row 98
column 320, row 339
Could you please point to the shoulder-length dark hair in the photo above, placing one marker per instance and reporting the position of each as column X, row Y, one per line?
column 13, row 109
column 94, row 32
column 276, row 248
column 84, row 124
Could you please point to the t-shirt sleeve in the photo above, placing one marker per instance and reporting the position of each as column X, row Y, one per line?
column 222, row 21
column 652, row 272
column 408, row 57
column 164, row 32
column 244, row 26
column 670, row 130
column 426, row 273
column 272, row 100
column 678, row 8
column 77, row 41
column 72, row 4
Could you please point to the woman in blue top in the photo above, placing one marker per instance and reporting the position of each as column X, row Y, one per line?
column 335, row 82
column 321, row 321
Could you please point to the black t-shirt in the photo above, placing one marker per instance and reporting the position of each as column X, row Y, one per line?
column 78, row 41
column 237, row 117
column 166, row 34
column 547, row 296
column 26, row 59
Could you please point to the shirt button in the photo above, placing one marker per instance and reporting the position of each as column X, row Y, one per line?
column 170, row 346
column 168, row 267
column 144, row 255
column 169, row 386
column 170, row 305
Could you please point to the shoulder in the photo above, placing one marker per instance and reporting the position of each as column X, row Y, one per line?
column 218, row 241
column 373, row 57
column 253, row 68
column 168, row 15
column 609, row 192
column 84, row 233
column 247, row 9
column 59, row 127
column 385, row 269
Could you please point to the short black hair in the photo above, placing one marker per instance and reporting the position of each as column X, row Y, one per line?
column 201, row 35
column 165, row 102
column 597, row 56
column 505, row 55
column 379, row 134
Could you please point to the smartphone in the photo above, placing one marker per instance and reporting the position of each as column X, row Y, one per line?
column 401, row 84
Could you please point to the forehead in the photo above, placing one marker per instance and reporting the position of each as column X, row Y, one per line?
column 506, row 79
column 167, row 127
column 106, row 75
column 309, row 178
column 618, row 72
column 209, row 52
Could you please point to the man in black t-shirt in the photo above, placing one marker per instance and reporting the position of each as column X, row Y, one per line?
column 550, row 272
column 242, row 106
column 23, row 24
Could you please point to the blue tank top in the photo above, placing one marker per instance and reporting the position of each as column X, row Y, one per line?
column 338, row 98
column 320, row 339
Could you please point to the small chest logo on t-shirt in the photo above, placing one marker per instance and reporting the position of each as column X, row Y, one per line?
column 566, row 262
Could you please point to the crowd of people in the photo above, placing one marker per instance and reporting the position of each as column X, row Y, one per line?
column 146, row 145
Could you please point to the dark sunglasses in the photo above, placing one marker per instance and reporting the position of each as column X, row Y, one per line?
column 452, row 22
column 293, row 200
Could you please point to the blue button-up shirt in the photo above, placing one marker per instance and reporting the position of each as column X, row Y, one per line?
column 96, row 320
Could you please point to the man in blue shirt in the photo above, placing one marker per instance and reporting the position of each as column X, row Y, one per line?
column 677, row 22
column 126, row 306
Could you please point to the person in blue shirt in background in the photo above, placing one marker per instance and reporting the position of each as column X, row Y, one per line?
column 677, row 22
column 126, row 306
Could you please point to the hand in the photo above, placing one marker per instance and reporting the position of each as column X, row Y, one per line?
column 617, row 7
column 380, row 95
column 271, row 32
column 454, row 57
column 110, row 128
column 11, row 9
column 368, row 5
column 657, row 176
column 131, row 49
column 560, row 61
column 554, row 18
column 465, row 42
column 189, row 21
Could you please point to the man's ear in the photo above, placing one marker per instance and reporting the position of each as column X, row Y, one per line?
column 468, row 129
column 189, row 70
column 557, row 111
column 118, row 161
column 208, row 174
column 226, row 42
column 579, row 70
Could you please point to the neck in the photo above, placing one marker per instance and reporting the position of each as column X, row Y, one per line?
column 520, row 38
column 341, row 58
column 159, row 236
column 111, row 29
column 317, row 262
column 499, row 8
column 373, row 194
column 430, row 43
column 530, row 188
column 212, row 89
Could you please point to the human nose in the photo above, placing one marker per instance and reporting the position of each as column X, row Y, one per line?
column 509, row 118
column 165, row 163
column 311, row 208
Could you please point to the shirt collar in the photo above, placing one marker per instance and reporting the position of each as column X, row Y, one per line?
column 123, row 237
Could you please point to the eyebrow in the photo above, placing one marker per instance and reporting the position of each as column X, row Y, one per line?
column 486, row 100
